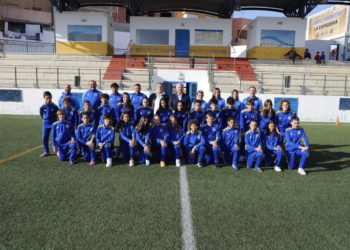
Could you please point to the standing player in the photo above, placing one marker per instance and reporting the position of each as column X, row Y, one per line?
column 256, row 101
column 136, row 98
column 115, row 97
column 267, row 113
column 297, row 144
column 212, row 136
column 164, row 111
column 47, row 113
column 283, row 119
column 105, row 136
column 253, row 142
column 217, row 96
column 230, row 142
column 230, row 110
column 194, row 143
column 271, row 146
column 105, row 109
column 200, row 96
column 181, row 115
column 145, row 109
column 125, row 106
column 197, row 113
column 71, row 113
column 175, row 140
column 127, row 138
column 91, row 112
column 216, row 112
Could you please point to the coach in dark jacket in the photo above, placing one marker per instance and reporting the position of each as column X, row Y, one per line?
column 155, row 98
column 180, row 95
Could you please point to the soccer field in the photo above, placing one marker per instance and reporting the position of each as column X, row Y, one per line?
column 47, row 204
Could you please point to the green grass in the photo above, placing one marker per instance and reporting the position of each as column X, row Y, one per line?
column 47, row 204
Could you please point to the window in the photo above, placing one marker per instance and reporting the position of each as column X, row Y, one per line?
column 208, row 36
column 242, row 34
column 12, row 5
column 152, row 37
column 36, row 9
column 85, row 33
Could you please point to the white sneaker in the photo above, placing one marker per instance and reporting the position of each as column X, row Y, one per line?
column 109, row 163
column 241, row 158
column 148, row 163
column 178, row 163
column 278, row 169
column 131, row 163
column 301, row 171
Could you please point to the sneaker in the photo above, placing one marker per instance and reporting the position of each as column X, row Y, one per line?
column 301, row 171
column 72, row 162
column 241, row 158
column 178, row 163
column 45, row 154
column 162, row 164
column 235, row 167
column 115, row 155
column 258, row 169
column 131, row 163
column 92, row 163
column 278, row 169
column 200, row 164
column 216, row 166
column 148, row 163
column 58, row 154
column 109, row 163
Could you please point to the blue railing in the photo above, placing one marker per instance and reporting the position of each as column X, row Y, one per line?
column 26, row 47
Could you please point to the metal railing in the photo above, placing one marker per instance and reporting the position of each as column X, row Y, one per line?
column 25, row 47
column 211, row 76
column 39, row 77
column 150, row 72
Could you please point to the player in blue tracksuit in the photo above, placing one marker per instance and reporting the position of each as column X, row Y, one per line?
column 200, row 95
column 145, row 109
column 164, row 111
column 237, row 103
column 159, row 140
column 47, row 113
column 266, row 114
column 87, row 109
column 143, row 133
column 85, row 135
column 246, row 116
column 127, row 138
column 194, row 143
column 137, row 97
column 253, row 144
column 272, row 147
column 212, row 136
column 217, row 96
column 197, row 113
column 297, row 144
column 63, row 138
column 230, row 143
column 105, row 136
column 125, row 106
column 181, row 115
column 93, row 95
column 216, row 112
column 175, row 139
column 75, row 102
column 283, row 118
column 256, row 101
column 71, row 113
column 228, row 111
column 115, row 97
column 105, row 109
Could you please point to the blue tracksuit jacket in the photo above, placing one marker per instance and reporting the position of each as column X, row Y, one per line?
column 182, row 119
column 229, row 138
column 93, row 97
column 211, row 133
column 164, row 115
column 75, row 102
column 198, row 115
column 253, row 139
column 194, row 139
column 72, row 116
column 48, row 113
column 226, row 113
column 136, row 99
column 85, row 133
column 270, row 141
column 144, row 139
column 246, row 117
column 144, row 111
column 104, row 110
column 127, row 134
column 265, row 119
column 114, row 99
column 217, row 116
column 159, row 133
column 105, row 134
column 296, row 137
column 62, row 133
column 283, row 120
column 91, row 112
column 176, row 137
column 221, row 103
column 121, row 108
column 203, row 106
column 257, row 102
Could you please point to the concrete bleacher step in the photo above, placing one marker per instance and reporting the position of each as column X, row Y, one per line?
column 48, row 63
column 51, row 57
column 179, row 65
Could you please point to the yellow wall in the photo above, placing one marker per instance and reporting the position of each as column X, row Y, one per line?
column 272, row 52
column 84, row 48
column 165, row 50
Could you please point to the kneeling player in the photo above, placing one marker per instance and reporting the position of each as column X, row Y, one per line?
column 297, row 144
column 272, row 146
column 253, row 146
column 105, row 136
column 230, row 142
column 194, row 143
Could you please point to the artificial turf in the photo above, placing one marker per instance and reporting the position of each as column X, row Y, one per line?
column 47, row 204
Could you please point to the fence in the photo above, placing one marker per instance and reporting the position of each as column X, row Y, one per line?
column 26, row 47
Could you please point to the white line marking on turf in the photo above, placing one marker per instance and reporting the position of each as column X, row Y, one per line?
column 189, row 242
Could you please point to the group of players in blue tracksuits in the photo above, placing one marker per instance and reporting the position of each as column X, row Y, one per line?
column 201, row 135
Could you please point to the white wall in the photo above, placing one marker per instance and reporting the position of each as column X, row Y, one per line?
column 33, row 99
column 121, row 39
column 240, row 51
column 271, row 23
column 171, row 24
column 62, row 20
column 48, row 36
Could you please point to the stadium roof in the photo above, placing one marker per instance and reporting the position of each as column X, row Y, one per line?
column 220, row 8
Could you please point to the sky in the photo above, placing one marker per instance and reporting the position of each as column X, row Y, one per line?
column 252, row 14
